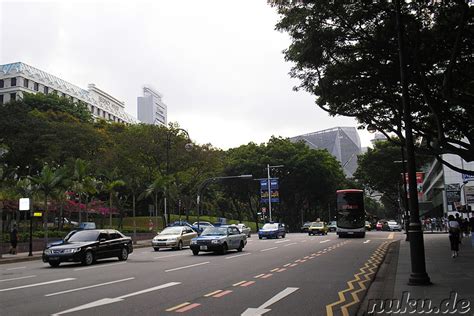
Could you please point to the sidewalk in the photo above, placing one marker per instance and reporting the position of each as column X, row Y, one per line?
column 452, row 289
column 23, row 256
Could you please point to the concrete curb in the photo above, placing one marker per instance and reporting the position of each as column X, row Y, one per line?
column 38, row 257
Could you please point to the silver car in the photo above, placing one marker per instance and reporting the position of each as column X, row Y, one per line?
column 244, row 229
column 394, row 226
column 175, row 237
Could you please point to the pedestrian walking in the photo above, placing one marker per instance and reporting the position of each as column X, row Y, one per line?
column 454, row 233
column 13, row 240
column 433, row 224
column 465, row 227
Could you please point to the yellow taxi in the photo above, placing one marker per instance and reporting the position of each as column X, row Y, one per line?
column 318, row 228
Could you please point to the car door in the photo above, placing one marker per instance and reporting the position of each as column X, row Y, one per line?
column 115, row 244
column 103, row 249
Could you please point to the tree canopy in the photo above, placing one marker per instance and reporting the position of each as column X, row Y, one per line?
column 346, row 54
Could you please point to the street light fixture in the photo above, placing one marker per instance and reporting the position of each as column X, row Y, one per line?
column 206, row 182
column 188, row 147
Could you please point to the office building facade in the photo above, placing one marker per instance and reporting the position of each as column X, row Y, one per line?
column 341, row 142
column 19, row 78
column 150, row 107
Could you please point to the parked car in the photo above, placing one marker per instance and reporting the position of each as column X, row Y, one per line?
column 304, row 228
column 318, row 228
column 87, row 246
column 272, row 230
column 332, row 227
column 175, row 237
column 244, row 229
column 219, row 239
column 394, row 226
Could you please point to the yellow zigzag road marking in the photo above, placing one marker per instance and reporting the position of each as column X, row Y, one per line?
column 371, row 265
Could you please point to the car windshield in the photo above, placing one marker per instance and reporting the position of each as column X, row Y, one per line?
column 317, row 224
column 306, row 224
column 333, row 223
column 215, row 231
column 172, row 231
column 85, row 235
column 392, row 223
column 270, row 226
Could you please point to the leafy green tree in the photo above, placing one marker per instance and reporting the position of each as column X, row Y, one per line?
column 346, row 54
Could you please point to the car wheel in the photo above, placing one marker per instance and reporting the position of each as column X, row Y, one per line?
column 123, row 254
column 241, row 246
column 180, row 245
column 283, row 236
column 224, row 249
column 248, row 235
column 156, row 248
column 195, row 252
column 54, row 264
column 88, row 258
column 259, row 237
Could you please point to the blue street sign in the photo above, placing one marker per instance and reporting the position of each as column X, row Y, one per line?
column 467, row 177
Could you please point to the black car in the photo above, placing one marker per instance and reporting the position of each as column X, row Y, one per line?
column 87, row 246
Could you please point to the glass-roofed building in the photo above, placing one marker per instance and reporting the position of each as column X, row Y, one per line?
column 341, row 142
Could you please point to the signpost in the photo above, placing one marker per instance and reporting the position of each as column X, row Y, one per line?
column 25, row 206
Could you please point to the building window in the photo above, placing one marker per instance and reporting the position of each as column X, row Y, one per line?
column 1, row 98
column 45, row 89
column 25, row 83
column 2, row 84
column 12, row 96
column 36, row 86
column 13, row 82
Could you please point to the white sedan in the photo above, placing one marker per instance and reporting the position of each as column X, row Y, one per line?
column 394, row 226
column 244, row 229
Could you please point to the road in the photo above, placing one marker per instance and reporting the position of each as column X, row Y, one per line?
column 302, row 274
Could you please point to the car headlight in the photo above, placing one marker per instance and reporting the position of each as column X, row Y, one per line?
column 193, row 241
column 71, row 250
column 47, row 251
column 216, row 241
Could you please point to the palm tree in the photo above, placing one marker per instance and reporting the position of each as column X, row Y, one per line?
column 111, row 188
column 157, row 186
column 46, row 181
column 90, row 188
column 79, row 176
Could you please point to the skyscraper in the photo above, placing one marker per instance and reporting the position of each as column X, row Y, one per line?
column 150, row 108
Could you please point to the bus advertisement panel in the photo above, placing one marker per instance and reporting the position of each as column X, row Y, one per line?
column 350, row 213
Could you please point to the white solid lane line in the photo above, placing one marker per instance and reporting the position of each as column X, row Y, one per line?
column 100, row 266
column 89, row 287
column 106, row 301
column 16, row 268
column 279, row 242
column 367, row 241
column 269, row 249
column 19, row 278
column 36, row 284
column 244, row 254
column 322, row 242
column 293, row 243
column 185, row 267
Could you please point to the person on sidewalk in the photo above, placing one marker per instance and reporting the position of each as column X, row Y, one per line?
column 454, row 232
column 13, row 240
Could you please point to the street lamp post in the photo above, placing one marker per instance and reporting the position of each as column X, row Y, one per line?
column 188, row 147
column 206, row 182
column 269, row 189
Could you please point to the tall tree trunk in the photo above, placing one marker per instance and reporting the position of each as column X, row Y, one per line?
column 134, row 222
column 110, row 210
column 45, row 219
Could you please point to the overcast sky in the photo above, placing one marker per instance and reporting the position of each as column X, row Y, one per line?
column 218, row 63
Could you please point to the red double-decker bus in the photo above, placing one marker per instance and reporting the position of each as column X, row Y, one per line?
column 350, row 213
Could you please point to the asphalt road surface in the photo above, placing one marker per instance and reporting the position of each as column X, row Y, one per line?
column 298, row 274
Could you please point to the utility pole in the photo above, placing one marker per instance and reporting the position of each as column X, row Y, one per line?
column 270, row 190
